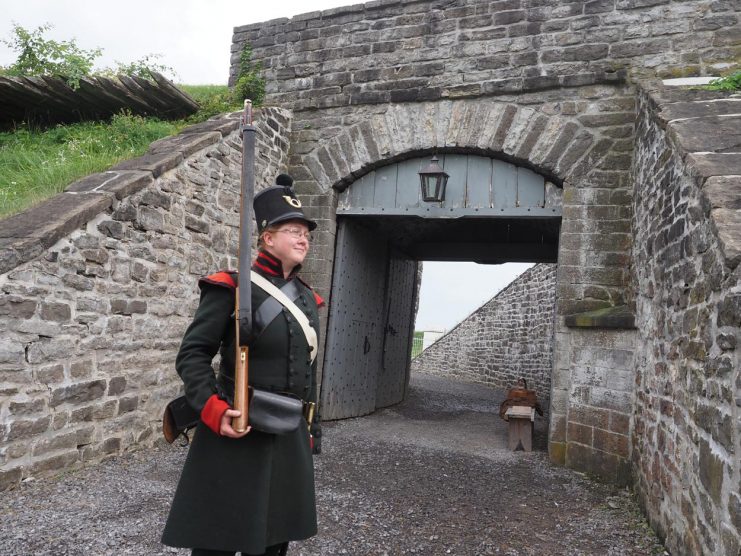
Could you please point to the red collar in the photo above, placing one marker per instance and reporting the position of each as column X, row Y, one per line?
column 269, row 264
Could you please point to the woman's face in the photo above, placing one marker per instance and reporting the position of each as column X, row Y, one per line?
column 289, row 243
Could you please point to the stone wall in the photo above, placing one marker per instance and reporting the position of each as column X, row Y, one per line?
column 98, row 285
column 509, row 337
column 420, row 50
column 686, row 443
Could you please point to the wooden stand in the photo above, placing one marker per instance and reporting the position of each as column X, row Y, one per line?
column 520, row 419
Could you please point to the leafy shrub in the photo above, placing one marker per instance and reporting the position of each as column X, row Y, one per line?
column 40, row 56
column 250, row 83
column 143, row 67
column 729, row 83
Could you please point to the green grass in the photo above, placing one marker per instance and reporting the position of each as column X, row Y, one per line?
column 417, row 343
column 36, row 164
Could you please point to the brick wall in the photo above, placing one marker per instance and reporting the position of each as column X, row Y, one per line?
column 509, row 337
column 98, row 285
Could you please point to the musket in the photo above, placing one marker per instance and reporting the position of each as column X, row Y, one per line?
column 243, row 302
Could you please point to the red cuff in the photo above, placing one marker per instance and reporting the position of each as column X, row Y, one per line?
column 318, row 299
column 213, row 411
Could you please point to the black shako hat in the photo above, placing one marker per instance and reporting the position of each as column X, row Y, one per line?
column 277, row 204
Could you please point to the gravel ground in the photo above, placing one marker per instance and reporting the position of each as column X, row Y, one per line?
column 429, row 476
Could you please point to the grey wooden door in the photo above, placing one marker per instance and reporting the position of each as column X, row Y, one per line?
column 393, row 378
column 355, row 328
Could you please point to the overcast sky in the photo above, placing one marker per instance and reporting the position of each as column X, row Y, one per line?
column 193, row 37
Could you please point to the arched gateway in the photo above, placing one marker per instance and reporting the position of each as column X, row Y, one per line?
column 493, row 211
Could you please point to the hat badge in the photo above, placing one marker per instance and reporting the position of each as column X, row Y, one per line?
column 295, row 203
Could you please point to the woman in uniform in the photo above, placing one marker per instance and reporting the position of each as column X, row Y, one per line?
column 253, row 492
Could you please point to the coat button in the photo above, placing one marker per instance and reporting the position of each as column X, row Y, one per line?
column 291, row 358
column 291, row 371
column 290, row 383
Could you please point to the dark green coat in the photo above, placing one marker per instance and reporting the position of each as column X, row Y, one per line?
column 245, row 494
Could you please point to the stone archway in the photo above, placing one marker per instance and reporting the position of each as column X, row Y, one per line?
column 577, row 141
column 560, row 147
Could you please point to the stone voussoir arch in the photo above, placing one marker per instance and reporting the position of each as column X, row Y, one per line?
column 555, row 145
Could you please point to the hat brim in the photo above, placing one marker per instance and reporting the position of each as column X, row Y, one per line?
column 293, row 216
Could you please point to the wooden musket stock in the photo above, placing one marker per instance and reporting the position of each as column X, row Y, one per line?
column 243, row 302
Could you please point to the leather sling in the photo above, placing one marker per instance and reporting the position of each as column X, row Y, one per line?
column 299, row 315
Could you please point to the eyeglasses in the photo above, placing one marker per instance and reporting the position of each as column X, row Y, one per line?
column 295, row 233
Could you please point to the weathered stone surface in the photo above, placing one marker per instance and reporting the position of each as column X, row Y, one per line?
column 116, row 385
column 78, row 393
column 68, row 211
column 494, row 345
column 125, row 405
column 720, row 134
column 610, row 317
column 715, row 164
column 723, row 192
column 728, row 224
column 685, row 250
column 729, row 311
column 711, row 471
column 23, row 407
column 156, row 164
column 10, row 477
column 49, row 465
column 13, row 306
column 186, row 144
column 26, row 428
column 58, row 312
column 121, row 184
column 223, row 126
column 699, row 109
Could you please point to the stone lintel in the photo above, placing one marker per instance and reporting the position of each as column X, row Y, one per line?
column 121, row 183
column 620, row 317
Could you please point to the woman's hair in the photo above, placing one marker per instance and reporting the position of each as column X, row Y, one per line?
column 261, row 238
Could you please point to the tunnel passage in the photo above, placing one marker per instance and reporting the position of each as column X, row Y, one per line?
column 493, row 212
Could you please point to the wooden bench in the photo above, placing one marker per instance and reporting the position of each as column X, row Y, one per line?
column 521, row 419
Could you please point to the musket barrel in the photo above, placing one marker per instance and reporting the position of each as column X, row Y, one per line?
column 243, row 309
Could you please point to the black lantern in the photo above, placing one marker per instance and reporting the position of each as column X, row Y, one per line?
column 433, row 180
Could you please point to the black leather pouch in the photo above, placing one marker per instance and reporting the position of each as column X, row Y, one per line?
column 274, row 413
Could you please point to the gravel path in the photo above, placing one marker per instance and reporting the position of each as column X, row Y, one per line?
column 429, row 476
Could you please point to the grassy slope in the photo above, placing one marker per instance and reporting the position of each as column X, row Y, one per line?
column 37, row 164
